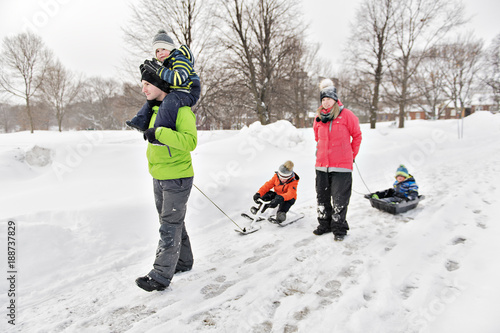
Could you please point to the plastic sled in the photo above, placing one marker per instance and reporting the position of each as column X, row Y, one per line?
column 393, row 208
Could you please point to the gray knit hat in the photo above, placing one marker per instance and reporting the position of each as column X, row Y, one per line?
column 328, row 90
column 163, row 41
column 286, row 169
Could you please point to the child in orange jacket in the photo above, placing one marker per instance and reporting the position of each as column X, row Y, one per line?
column 280, row 190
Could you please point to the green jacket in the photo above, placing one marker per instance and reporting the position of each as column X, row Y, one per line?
column 173, row 161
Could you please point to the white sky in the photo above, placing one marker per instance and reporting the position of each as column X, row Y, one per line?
column 86, row 34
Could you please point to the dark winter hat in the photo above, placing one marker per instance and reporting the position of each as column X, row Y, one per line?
column 153, row 79
column 286, row 169
column 402, row 171
column 163, row 41
column 327, row 90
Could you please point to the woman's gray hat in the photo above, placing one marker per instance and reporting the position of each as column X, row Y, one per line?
column 327, row 90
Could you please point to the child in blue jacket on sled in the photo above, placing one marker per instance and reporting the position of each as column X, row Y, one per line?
column 404, row 188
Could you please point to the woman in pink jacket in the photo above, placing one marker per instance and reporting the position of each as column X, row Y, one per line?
column 338, row 138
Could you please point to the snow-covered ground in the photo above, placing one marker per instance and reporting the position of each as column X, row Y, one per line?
column 86, row 228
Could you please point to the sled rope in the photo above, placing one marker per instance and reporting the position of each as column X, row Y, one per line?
column 357, row 168
column 244, row 229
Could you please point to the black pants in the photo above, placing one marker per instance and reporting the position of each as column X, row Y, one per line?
column 284, row 207
column 333, row 190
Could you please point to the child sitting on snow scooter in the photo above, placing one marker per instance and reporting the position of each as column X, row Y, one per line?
column 404, row 188
column 280, row 190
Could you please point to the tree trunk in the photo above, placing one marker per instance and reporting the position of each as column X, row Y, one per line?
column 30, row 116
column 404, row 91
column 374, row 104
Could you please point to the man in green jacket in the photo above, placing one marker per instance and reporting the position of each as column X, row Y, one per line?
column 171, row 141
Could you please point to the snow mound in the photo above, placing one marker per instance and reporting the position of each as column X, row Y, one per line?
column 38, row 156
column 281, row 134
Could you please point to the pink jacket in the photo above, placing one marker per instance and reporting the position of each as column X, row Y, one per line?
column 334, row 145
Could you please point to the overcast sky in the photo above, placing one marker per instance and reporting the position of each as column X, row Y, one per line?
column 86, row 34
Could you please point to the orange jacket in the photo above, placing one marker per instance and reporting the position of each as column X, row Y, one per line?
column 288, row 190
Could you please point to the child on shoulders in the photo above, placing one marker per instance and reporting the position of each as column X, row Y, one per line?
column 175, row 66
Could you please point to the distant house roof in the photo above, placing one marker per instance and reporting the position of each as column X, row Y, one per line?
column 419, row 108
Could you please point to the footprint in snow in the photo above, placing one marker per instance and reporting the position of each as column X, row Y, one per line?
column 304, row 241
column 122, row 318
column 331, row 290
column 452, row 265
column 305, row 254
column 354, row 269
column 213, row 290
column 481, row 221
column 302, row 314
column 293, row 285
column 411, row 284
column 458, row 240
column 262, row 252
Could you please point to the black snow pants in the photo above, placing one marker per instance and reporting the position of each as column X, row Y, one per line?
column 174, row 249
column 333, row 190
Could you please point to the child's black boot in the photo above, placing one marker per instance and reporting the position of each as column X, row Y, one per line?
column 139, row 123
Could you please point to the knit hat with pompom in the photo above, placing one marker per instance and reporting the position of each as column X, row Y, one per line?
column 402, row 171
column 327, row 89
column 163, row 41
column 286, row 169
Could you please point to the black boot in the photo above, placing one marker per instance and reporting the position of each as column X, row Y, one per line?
column 324, row 226
column 338, row 238
column 139, row 123
column 181, row 270
column 320, row 231
column 281, row 216
column 149, row 284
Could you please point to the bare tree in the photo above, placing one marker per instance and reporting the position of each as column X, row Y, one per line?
column 258, row 34
column 59, row 90
column 187, row 21
column 355, row 92
column 99, row 104
column 429, row 81
column 190, row 22
column 491, row 75
column 418, row 25
column 369, row 46
column 461, row 61
column 24, row 62
column 6, row 117
column 293, row 89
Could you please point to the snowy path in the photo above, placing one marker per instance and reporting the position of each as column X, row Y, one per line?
column 429, row 270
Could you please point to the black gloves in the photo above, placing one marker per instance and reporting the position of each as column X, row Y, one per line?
column 256, row 197
column 152, row 66
column 278, row 200
column 149, row 134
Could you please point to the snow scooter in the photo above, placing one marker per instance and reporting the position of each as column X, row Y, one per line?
column 258, row 216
